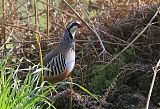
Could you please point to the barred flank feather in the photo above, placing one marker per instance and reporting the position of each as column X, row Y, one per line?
column 56, row 66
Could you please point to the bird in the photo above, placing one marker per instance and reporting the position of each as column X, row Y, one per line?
column 61, row 60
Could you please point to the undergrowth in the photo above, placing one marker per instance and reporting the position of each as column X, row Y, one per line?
column 18, row 94
column 103, row 79
column 100, row 81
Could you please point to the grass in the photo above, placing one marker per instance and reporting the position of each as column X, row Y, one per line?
column 27, row 93
column 18, row 94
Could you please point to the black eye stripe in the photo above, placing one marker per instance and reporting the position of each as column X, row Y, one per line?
column 73, row 24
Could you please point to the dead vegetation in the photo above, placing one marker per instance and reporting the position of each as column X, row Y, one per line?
column 122, row 83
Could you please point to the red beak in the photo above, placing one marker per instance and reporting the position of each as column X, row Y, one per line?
column 80, row 26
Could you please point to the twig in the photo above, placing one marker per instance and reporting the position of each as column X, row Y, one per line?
column 81, row 74
column 92, row 29
column 94, row 48
column 64, row 12
column 96, row 33
column 13, row 12
column 114, row 37
column 119, row 39
column 38, row 39
column 36, row 15
column 3, row 31
column 84, row 10
column 155, row 69
column 104, row 51
column 12, row 9
column 115, row 57
column 47, row 13
column 24, row 28
column 30, row 16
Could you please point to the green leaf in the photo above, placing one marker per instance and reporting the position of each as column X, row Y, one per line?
column 92, row 14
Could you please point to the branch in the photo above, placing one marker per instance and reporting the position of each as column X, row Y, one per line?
column 155, row 69
column 115, row 57
column 92, row 29
column 57, row 9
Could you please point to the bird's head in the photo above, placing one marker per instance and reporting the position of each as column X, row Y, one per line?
column 73, row 26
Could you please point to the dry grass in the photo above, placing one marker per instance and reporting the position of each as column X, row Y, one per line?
column 117, row 24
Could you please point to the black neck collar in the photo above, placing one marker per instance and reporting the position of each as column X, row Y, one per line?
column 70, row 35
